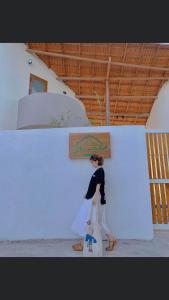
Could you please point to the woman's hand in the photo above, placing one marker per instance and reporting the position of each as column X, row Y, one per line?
column 96, row 195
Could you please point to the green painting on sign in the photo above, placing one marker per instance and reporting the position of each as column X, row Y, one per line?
column 84, row 145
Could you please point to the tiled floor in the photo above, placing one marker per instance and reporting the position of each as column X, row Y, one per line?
column 159, row 246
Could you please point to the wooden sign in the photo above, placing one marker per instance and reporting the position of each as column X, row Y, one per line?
column 83, row 145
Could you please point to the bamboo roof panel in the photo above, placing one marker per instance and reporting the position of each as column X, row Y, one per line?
column 139, row 54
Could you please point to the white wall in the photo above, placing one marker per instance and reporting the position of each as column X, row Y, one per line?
column 42, row 189
column 40, row 109
column 159, row 116
column 14, row 80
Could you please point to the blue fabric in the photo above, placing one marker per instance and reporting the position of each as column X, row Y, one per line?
column 90, row 238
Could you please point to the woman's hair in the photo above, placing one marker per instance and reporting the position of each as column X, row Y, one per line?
column 96, row 157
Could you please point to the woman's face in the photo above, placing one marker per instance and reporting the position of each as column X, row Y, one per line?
column 94, row 163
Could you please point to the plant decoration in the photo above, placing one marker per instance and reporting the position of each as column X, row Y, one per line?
column 57, row 123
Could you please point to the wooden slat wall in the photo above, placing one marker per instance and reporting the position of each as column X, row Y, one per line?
column 160, row 202
column 158, row 164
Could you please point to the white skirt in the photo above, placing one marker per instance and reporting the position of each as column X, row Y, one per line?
column 83, row 216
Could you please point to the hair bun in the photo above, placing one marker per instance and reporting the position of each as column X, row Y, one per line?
column 96, row 157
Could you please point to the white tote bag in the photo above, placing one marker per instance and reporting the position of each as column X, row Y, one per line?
column 93, row 240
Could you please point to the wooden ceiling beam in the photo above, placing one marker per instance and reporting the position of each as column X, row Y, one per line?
column 114, row 96
column 146, row 102
column 73, row 78
column 133, row 115
column 87, row 59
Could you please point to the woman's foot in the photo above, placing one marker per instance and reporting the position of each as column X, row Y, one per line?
column 112, row 243
column 77, row 247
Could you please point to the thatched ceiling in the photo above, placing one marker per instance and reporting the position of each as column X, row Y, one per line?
column 133, row 83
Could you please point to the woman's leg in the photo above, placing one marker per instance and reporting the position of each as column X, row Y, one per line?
column 80, row 223
column 111, row 238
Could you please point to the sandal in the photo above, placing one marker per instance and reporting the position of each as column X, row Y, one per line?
column 112, row 243
column 77, row 247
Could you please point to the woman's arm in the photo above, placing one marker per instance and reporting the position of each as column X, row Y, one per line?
column 97, row 194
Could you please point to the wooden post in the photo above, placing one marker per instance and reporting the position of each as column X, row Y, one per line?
column 107, row 103
column 108, row 93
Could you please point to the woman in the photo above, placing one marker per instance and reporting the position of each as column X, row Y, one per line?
column 94, row 196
